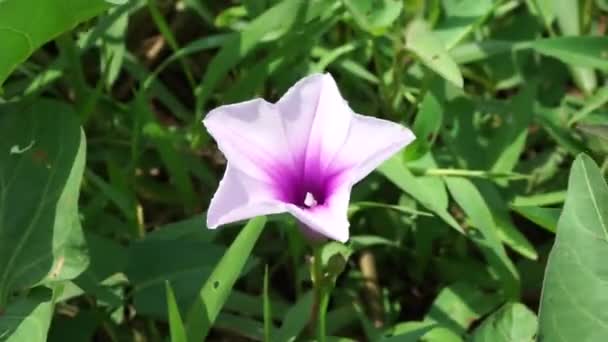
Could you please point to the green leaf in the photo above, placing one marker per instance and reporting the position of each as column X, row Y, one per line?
column 569, row 21
column 426, row 126
column 186, row 263
column 486, row 234
column 374, row 16
column 267, row 309
column 113, row 50
column 28, row 318
column 296, row 319
column 176, row 325
column 46, row 19
column 460, row 20
column 513, row 322
column 507, row 231
column 217, row 288
column 277, row 19
column 395, row 170
column 594, row 102
column 458, row 306
column 587, row 51
column 409, row 331
column 576, row 278
column 509, row 139
column 544, row 217
column 431, row 52
column 108, row 258
column 42, row 155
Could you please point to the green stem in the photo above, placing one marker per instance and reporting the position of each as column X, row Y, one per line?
column 468, row 173
column 321, row 294
column 323, row 303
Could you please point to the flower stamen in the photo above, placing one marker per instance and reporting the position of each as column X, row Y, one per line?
column 309, row 200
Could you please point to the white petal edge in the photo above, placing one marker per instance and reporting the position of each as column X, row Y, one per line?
column 250, row 135
column 369, row 143
column 240, row 197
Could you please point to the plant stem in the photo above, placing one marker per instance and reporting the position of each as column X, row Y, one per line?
column 469, row 173
column 323, row 303
column 321, row 294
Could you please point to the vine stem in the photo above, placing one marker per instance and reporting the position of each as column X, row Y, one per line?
column 321, row 292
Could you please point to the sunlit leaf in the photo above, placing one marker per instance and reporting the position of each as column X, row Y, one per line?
column 46, row 19
column 431, row 52
column 513, row 322
column 576, row 278
column 216, row 289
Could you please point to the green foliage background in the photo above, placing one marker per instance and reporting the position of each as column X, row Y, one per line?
column 102, row 238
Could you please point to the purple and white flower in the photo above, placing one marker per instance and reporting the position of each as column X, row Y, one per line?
column 301, row 155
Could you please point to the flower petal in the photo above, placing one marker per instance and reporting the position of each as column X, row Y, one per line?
column 369, row 143
column 330, row 219
column 298, row 107
column 239, row 197
column 251, row 136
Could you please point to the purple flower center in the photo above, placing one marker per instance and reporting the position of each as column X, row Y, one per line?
column 307, row 185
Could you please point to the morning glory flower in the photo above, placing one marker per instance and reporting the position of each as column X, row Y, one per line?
column 301, row 155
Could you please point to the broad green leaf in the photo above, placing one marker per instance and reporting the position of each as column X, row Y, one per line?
column 460, row 20
column 589, row 51
column 28, row 318
column 458, row 306
column 513, row 322
column 576, row 276
column 431, row 52
column 42, row 155
column 374, row 16
column 25, row 25
column 486, row 234
column 176, row 325
column 395, row 170
column 186, row 262
column 217, row 288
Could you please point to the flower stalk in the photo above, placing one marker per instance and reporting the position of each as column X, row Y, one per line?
column 322, row 290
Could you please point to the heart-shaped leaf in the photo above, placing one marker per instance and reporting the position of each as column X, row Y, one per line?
column 42, row 155
column 573, row 303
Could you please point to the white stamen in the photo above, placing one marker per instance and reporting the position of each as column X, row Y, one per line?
column 310, row 200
